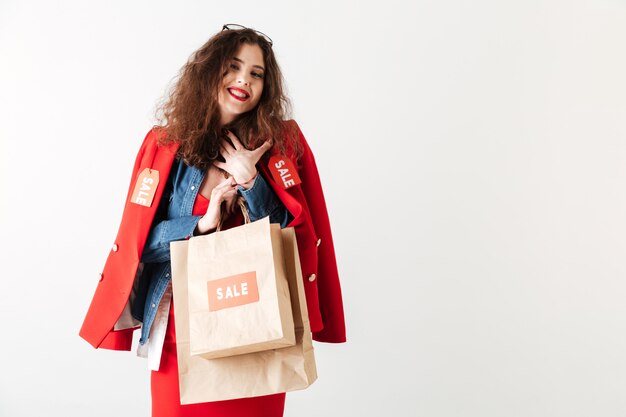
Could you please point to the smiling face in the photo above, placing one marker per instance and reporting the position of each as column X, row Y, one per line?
column 242, row 85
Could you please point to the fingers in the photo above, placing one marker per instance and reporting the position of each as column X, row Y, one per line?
column 224, row 191
column 258, row 152
column 264, row 146
column 227, row 148
column 219, row 196
column 227, row 195
column 228, row 182
column 222, row 165
column 234, row 139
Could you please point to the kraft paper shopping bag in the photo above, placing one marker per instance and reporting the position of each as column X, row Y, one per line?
column 238, row 291
column 252, row 374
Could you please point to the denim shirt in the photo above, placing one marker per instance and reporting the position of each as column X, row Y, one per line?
column 174, row 221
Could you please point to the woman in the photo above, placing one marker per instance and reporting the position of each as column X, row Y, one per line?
column 223, row 136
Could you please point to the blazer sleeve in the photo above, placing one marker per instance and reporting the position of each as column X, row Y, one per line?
column 329, row 288
column 121, row 339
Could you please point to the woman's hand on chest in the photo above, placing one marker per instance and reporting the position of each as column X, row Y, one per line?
column 239, row 161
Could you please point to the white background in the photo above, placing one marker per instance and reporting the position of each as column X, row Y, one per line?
column 473, row 159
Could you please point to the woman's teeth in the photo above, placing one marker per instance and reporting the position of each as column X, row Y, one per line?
column 238, row 94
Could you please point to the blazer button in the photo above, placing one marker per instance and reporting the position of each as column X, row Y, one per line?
column 318, row 242
column 100, row 277
column 115, row 247
column 311, row 277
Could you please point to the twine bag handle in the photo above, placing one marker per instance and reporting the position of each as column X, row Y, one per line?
column 242, row 205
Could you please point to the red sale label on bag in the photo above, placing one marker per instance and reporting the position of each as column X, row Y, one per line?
column 283, row 171
column 233, row 291
column 145, row 187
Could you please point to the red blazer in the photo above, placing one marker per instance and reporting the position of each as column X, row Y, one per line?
column 317, row 254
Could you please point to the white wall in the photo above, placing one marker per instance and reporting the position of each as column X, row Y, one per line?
column 473, row 159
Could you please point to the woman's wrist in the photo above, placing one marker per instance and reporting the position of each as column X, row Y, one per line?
column 202, row 228
column 250, row 182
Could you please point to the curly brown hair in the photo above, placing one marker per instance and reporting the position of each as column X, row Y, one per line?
column 190, row 114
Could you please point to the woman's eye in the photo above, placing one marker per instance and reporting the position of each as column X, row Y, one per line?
column 233, row 66
column 256, row 74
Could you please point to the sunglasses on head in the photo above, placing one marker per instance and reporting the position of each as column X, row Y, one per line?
column 233, row 26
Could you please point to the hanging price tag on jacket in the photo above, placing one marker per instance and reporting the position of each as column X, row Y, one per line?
column 145, row 187
column 284, row 171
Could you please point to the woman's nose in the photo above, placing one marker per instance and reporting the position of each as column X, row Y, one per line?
column 242, row 78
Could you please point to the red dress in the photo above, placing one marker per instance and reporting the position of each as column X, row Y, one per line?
column 164, row 383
